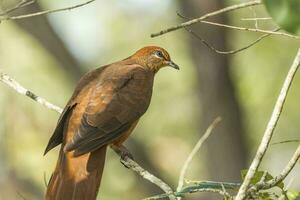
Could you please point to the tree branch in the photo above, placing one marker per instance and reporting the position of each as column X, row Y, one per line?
column 285, row 172
column 208, row 15
column 128, row 162
column 21, row 4
column 251, row 29
column 44, row 12
column 256, row 19
column 194, row 151
column 242, row 193
column 178, row 194
column 220, row 51
column 231, row 51
column 21, row 90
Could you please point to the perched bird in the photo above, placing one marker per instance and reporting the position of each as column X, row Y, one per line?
column 104, row 109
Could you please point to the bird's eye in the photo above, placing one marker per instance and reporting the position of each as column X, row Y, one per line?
column 159, row 54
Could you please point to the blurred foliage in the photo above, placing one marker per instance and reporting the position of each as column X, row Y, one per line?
column 258, row 177
column 293, row 195
column 286, row 13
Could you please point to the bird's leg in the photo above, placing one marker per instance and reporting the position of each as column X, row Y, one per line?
column 123, row 152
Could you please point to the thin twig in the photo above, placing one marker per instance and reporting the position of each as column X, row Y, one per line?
column 270, row 128
column 283, row 195
column 269, row 32
column 212, row 184
column 178, row 194
column 194, row 151
column 263, row 178
column 219, row 51
column 256, row 19
column 45, row 12
column 221, row 192
column 288, row 168
column 127, row 161
column 231, row 51
column 284, row 142
column 21, row 196
column 21, row 4
column 208, row 15
column 250, row 29
column 254, row 15
column 20, row 89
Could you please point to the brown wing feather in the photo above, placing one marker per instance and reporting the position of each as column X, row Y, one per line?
column 58, row 134
column 120, row 97
column 92, row 145
column 57, row 137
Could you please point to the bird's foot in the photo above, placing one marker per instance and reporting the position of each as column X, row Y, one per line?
column 124, row 153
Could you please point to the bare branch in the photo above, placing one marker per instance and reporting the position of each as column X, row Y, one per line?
column 263, row 178
column 254, row 15
column 21, row 90
column 21, row 4
column 285, row 172
column 224, row 52
column 256, row 19
column 178, row 194
column 251, row 29
column 148, row 176
column 269, row 32
column 283, row 192
column 221, row 192
column 194, row 151
column 208, row 15
column 231, row 51
column 285, row 141
column 21, row 196
column 45, row 12
column 270, row 128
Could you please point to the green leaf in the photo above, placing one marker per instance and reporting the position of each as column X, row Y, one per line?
column 293, row 195
column 268, row 196
column 265, row 196
column 286, row 13
column 258, row 175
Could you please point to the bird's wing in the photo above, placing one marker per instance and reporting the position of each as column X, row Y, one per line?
column 120, row 97
column 57, row 136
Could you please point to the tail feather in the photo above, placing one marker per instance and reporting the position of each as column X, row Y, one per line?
column 77, row 178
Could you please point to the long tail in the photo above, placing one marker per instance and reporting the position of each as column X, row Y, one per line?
column 76, row 178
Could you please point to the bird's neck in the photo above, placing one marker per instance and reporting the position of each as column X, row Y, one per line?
column 143, row 63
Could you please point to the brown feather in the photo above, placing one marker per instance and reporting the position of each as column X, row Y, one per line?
column 104, row 109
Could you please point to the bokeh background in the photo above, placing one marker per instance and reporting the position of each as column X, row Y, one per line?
column 48, row 54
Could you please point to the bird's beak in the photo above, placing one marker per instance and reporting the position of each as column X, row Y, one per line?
column 172, row 64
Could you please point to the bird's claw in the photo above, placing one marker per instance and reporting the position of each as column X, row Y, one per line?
column 124, row 157
column 124, row 154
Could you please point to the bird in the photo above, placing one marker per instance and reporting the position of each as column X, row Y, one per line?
column 105, row 107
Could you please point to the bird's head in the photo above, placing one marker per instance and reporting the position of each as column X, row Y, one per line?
column 154, row 58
